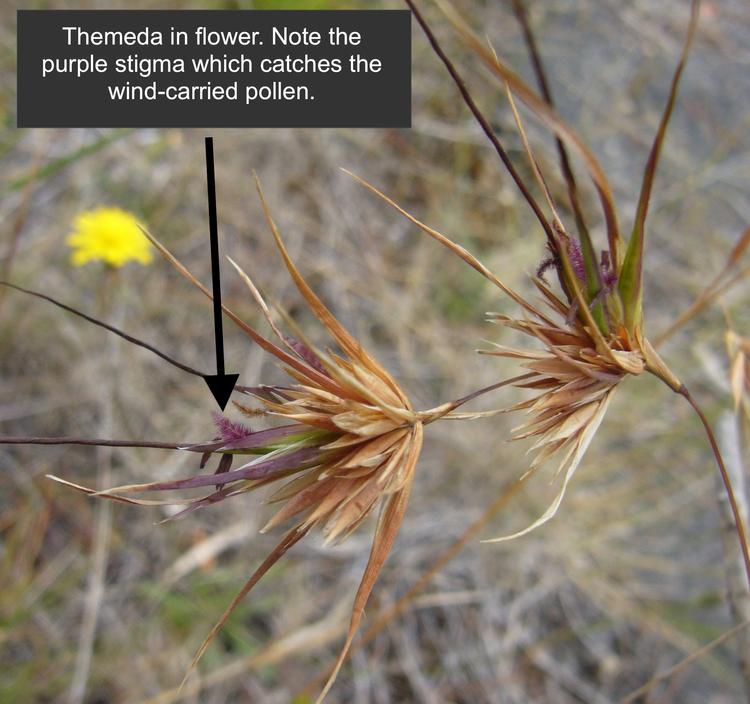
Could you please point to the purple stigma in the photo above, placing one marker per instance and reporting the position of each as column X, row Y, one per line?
column 229, row 430
column 576, row 260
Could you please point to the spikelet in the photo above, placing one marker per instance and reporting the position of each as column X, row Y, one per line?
column 575, row 372
column 348, row 444
column 574, row 385
column 592, row 337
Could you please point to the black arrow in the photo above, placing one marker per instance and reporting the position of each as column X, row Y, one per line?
column 220, row 384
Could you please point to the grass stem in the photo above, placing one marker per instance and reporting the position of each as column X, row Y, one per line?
column 739, row 523
column 106, row 326
column 94, row 442
column 483, row 123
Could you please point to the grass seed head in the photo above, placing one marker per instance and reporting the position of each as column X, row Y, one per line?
column 348, row 443
column 592, row 336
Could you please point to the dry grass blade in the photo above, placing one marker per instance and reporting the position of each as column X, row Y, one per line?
column 389, row 523
column 248, row 329
column 680, row 666
column 385, row 617
column 104, row 494
column 548, row 115
column 260, row 301
column 710, row 293
column 457, row 249
column 536, row 170
column 738, row 351
column 290, row 539
column 337, row 331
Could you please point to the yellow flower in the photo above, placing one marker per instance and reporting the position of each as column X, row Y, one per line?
column 110, row 235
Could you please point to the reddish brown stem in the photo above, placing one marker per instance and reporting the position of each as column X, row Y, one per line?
column 106, row 326
column 739, row 523
column 506, row 382
column 541, row 77
column 96, row 442
column 483, row 123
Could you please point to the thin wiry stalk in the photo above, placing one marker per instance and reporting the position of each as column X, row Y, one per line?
column 672, row 671
column 739, row 523
column 718, row 285
column 487, row 389
column 541, row 77
column 737, row 592
column 106, row 326
column 546, row 114
column 484, row 124
column 158, row 445
column 590, row 261
column 265, row 344
column 99, row 557
column 95, row 442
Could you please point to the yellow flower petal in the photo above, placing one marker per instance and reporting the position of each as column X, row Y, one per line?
column 110, row 235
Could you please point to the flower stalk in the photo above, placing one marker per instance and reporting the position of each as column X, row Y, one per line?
column 725, row 478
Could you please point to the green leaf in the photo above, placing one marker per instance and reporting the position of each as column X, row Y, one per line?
column 630, row 283
column 631, row 274
column 593, row 280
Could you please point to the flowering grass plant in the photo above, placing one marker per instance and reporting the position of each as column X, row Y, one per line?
column 593, row 335
column 348, row 443
column 341, row 439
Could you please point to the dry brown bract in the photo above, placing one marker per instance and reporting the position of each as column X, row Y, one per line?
column 574, row 382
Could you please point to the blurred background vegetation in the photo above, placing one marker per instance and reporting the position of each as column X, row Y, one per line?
column 102, row 605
